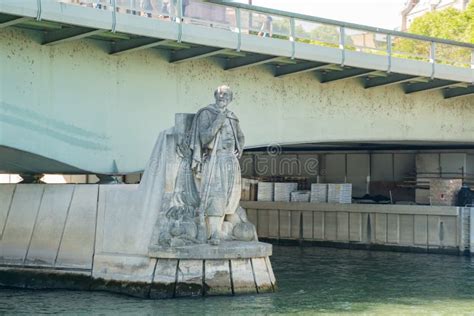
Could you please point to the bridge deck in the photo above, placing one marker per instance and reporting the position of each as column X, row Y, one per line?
column 232, row 34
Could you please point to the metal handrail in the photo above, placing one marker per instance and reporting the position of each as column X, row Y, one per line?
column 310, row 18
column 343, row 29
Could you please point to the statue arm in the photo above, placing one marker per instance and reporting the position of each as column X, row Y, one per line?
column 240, row 139
column 207, row 128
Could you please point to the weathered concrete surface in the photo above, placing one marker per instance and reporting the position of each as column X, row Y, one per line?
column 217, row 278
column 226, row 250
column 21, row 221
column 402, row 227
column 6, row 196
column 189, row 281
column 262, row 276
column 122, row 226
column 78, row 240
column 164, row 280
column 48, row 232
column 31, row 278
column 51, row 237
column 44, row 114
column 243, row 276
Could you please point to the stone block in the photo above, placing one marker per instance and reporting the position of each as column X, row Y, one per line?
column 262, row 226
column 285, row 224
column 368, row 227
column 217, row 277
column 50, row 225
column 6, row 198
column 242, row 276
column 164, row 280
column 330, row 226
column 262, row 278
column 295, row 224
column 406, row 230
column 355, row 227
column 448, row 231
column 77, row 244
column 342, row 226
column 189, row 278
column 307, row 225
column 225, row 250
column 380, row 228
column 434, row 231
column 393, row 233
column 273, row 224
column 421, row 230
column 270, row 271
column 126, row 268
column 131, row 275
column 318, row 225
column 20, row 223
column 120, row 221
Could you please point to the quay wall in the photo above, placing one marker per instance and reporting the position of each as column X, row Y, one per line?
column 394, row 227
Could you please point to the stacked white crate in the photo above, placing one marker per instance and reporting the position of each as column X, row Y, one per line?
column 265, row 191
column 283, row 191
column 340, row 193
column 300, row 196
column 319, row 193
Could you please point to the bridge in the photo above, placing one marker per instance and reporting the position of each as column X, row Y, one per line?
column 88, row 85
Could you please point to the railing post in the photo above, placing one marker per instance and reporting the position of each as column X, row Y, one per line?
column 389, row 52
column 239, row 28
column 39, row 10
column 114, row 15
column 292, row 37
column 180, row 20
column 472, row 65
column 432, row 58
column 342, row 44
column 472, row 58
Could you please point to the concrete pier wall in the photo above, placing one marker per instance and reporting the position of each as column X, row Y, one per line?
column 402, row 227
column 96, row 237
column 50, row 226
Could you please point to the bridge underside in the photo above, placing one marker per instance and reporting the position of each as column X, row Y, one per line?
column 96, row 100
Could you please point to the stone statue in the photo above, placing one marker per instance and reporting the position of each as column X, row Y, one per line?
column 204, row 204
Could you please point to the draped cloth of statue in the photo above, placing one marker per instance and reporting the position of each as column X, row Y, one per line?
column 221, row 182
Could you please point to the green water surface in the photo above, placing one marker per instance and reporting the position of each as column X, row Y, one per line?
column 310, row 280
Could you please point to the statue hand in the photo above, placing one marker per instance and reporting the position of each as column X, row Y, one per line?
column 237, row 154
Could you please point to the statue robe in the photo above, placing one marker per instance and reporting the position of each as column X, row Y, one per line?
column 223, row 182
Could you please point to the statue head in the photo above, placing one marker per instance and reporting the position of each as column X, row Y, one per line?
column 224, row 96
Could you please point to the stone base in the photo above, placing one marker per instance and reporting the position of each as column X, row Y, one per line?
column 184, row 278
column 227, row 269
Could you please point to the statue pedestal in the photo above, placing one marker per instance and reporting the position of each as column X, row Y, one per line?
column 230, row 268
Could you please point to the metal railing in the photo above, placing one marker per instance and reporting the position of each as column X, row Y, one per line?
column 296, row 28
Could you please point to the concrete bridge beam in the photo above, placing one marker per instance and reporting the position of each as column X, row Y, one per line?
column 458, row 92
column 69, row 34
column 11, row 20
column 436, row 84
column 325, row 77
column 386, row 81
column 288, row 70
column 135, row 44
column 195, row 53
column 249, row 61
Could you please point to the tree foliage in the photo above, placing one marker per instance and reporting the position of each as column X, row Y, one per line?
column 449, row 24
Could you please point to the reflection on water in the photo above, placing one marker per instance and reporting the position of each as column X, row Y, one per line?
column 310, row 280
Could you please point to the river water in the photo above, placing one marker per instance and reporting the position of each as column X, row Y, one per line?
column 311, row 281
